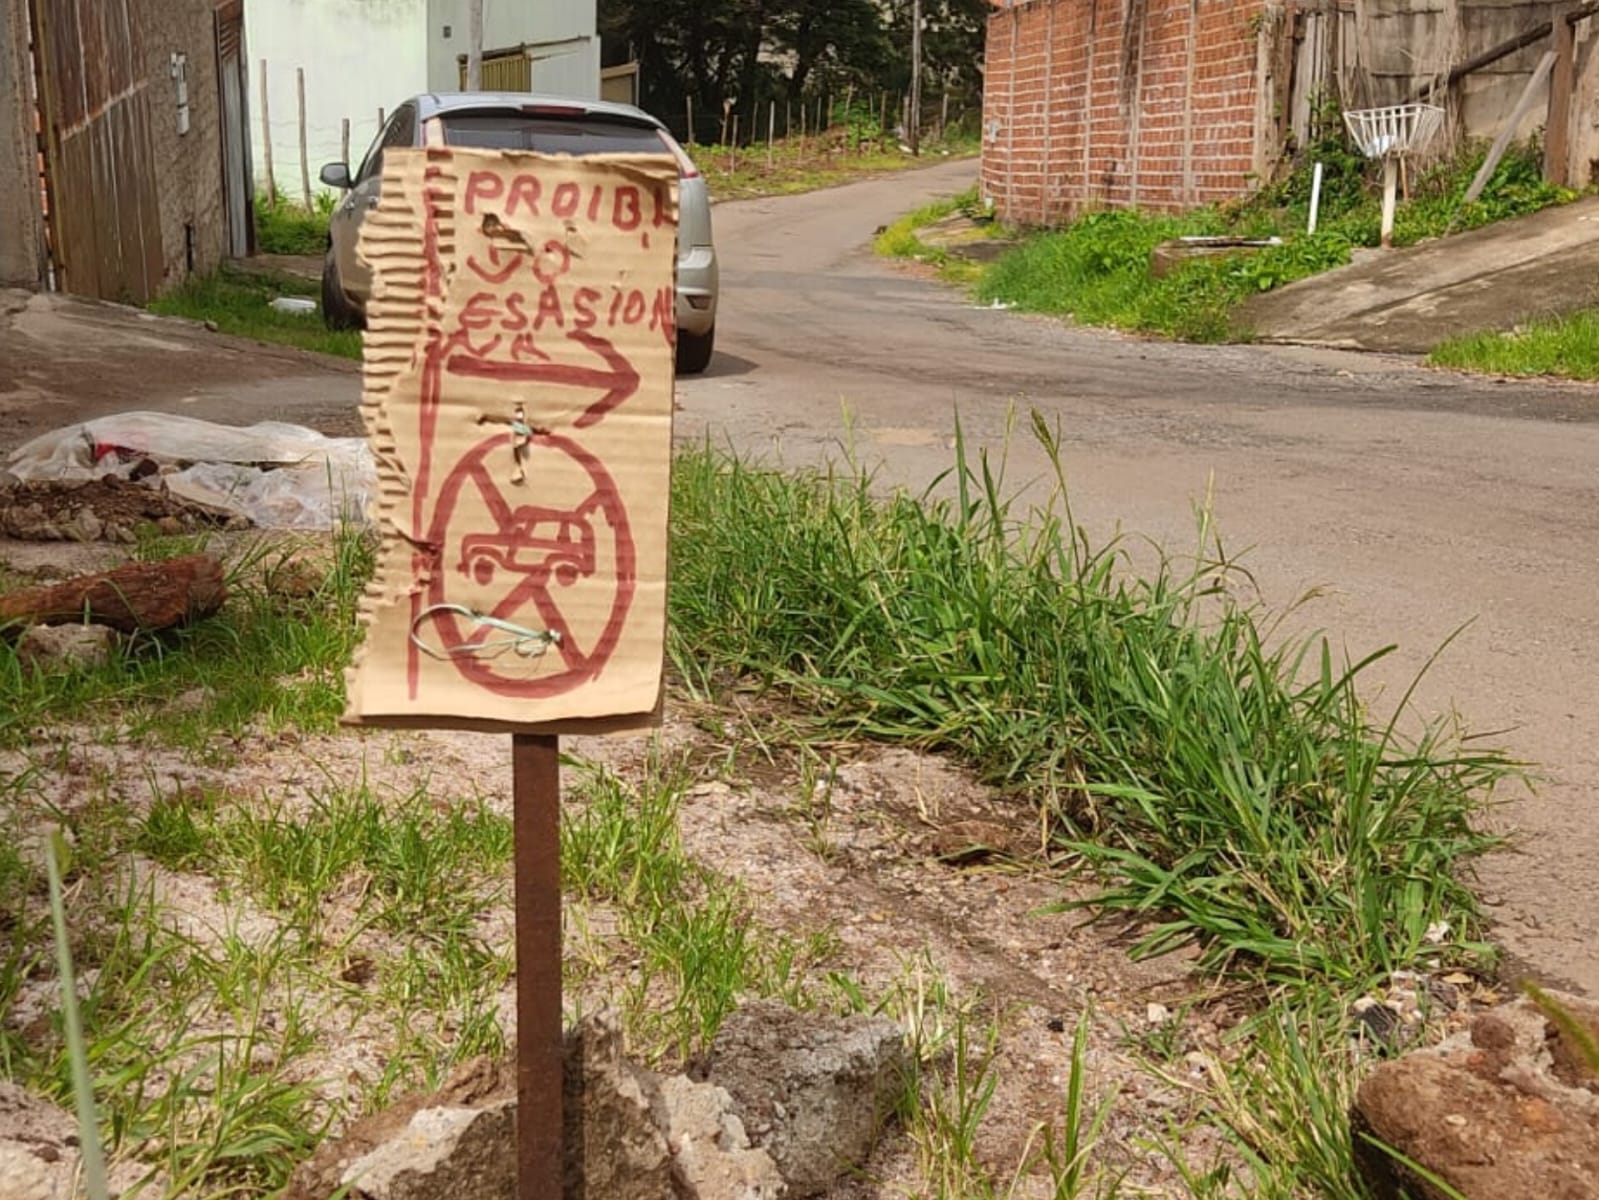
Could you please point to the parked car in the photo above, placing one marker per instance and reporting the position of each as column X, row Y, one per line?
column 524, row 121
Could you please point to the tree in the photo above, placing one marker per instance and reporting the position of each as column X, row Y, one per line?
column 753, row 51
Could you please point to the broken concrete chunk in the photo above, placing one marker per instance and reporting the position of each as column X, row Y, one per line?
column 460, row 1153
column 57, row 649
column 711, row 1155
column 39, row 1153
column 614, row 1150
column 813, row 1090
column 1503, row 1110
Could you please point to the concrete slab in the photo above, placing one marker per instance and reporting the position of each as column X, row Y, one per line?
column 1407, row 301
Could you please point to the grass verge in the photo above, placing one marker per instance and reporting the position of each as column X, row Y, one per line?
column 240, row 303
column 284, row 227
column 1563, row 347
column 903, row 238
column 1230, row 784
column 1098, row 269
column 806, row 165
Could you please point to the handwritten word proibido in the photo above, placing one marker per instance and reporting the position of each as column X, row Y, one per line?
column 526, row 292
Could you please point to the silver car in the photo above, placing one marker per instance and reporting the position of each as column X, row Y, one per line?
column 522, row 121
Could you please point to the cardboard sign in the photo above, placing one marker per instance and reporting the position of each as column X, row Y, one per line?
column 518, row 396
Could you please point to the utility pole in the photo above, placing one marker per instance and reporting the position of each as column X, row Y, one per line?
column 474, row 45
column 916, row 77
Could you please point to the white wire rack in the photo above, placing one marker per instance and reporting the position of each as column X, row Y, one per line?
column 1394, row 131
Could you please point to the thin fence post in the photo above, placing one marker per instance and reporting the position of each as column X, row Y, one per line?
column 305, row 161
column 802, row 149
column 344, row 141
column 882, row 121
column 383, row 118
column 943, row 118
column 788, row 118
column 771, row 131
column 732, row 147
column 266, row 138
column 688, row 103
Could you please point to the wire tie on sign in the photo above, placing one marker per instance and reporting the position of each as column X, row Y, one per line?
column 528, row 643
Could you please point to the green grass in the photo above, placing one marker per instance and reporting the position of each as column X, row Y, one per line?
column 1097, row 270
column 844, row 153
column 901, row 240
column 240, row 303
column 264, row 656
column 1229, row 783
column 688, row 931
column 1567, row 347
column 284, row 227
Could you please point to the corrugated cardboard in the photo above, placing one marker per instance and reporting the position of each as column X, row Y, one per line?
column 518, row 395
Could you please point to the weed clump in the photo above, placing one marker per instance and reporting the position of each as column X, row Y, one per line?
column 1097, row 270
column 1227, row 780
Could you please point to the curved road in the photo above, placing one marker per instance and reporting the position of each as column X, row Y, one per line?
column 1420, row 501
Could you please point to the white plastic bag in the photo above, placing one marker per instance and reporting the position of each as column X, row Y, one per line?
column 278, row 476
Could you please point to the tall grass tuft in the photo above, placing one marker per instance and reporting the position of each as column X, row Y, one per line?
column 1229, row 784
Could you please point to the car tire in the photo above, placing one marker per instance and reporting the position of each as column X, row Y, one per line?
column 694, row 351
column 337, row 311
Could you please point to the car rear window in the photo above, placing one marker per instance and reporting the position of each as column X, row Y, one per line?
column 549, row 135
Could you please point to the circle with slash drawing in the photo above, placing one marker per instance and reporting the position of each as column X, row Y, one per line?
column 552, row 553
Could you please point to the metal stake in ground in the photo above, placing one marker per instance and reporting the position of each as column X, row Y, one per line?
column 536, row 797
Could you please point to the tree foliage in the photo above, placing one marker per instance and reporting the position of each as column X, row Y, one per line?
column 748, row 52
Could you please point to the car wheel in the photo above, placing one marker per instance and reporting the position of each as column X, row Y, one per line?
column 694, row 351
column 337, row 311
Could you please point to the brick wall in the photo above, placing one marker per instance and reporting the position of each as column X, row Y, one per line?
column 189, row 165
column 1160, row 104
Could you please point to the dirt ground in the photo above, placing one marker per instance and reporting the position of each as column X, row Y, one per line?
column 912, row 866
column 1416, row 503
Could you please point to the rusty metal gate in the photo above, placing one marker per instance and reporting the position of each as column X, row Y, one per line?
column 99, row 159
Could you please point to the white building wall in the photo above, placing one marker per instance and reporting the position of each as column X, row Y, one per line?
column 566, row 27
column 359, row 56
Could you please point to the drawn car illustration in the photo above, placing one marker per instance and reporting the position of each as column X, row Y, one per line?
column 540, row 542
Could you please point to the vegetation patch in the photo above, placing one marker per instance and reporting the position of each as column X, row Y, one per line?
column 1231, row 785
column 285, row 227
column 240, row 303
column 1098, row 271
column 296, row 930
column 1564, row 347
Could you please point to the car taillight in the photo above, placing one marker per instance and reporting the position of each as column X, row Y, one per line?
column 685, row 164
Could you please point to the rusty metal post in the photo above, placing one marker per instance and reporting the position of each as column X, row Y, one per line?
column 536, row 796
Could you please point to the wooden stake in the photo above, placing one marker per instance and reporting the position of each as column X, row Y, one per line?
column 344, row 141
column 1557, row 128
column 882, row 121
column 688, row 105
column 536, row 819
column 732, row 147
column 1508, row 133
column 474, row 45
column 916, row 78
column 382, row 118
column 305, row 161
column 266, row 137
column 771, row 130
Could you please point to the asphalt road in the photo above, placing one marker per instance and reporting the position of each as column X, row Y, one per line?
column 1419, row 502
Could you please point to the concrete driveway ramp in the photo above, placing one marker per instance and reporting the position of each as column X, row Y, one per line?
column 1408, row 301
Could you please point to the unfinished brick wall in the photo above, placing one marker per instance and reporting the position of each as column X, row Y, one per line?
column 1158, row 104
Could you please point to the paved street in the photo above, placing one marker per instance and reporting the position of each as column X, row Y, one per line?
column 1421, row 501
